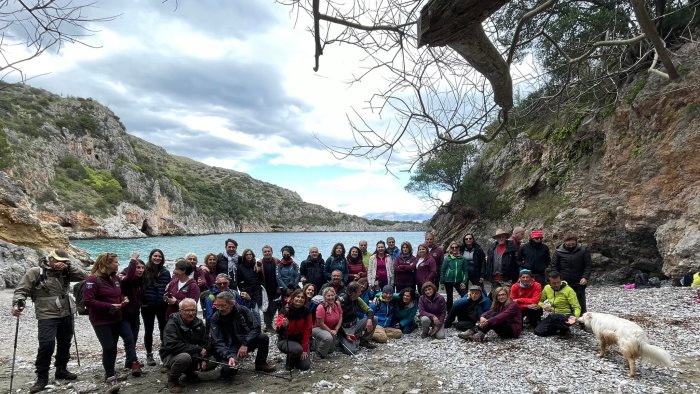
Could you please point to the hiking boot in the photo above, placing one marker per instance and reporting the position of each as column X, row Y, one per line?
column 112, row 385
column 63, row 373
column 367, row 344
column 42, row 379
column 136, row 369
column 150, row 361
column 192, row 377
column 267, row 367
column 467, row 335
column 174, row 385
column 288, row 366
column 164, row 369
column 479, row 337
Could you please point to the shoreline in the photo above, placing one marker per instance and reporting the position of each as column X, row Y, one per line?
column 239, row 232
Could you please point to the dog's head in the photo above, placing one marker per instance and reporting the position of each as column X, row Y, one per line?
column 585, row 321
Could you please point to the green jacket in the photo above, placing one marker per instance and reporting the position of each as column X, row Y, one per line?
column 563, row 300
column 454, row 270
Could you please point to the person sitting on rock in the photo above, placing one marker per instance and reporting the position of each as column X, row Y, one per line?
column 468, row 309
column 526, row 292
column 384, row 310
column 503, row 318
column 355, row 331
column 432, row 310
column 559, row 300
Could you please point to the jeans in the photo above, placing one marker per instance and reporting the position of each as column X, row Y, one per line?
column 129, row 331
column 449, row 287
column 150, row 314
column 52, row 332
column 108, row 335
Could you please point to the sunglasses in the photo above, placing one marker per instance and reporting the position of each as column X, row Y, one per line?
column 222, row 284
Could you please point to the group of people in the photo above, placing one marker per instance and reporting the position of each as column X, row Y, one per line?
column 350, row 300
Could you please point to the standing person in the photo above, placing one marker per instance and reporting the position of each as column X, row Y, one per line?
column 454, row 274
column 437, row 253
column 426, row 267
column 287, row 271
column 573, row 261
column 534, row 256
column 47, row 286
column 329, row 318
column 234, row 334
column 133, row 285
column 180, row 287
column 294, row 326
column 518, row 235
column 356, row 267
column 227, row 262
column 475, row 257
column 103, row 297
column 205, row 275
column 250, row 283
column 526, row 293
column 405, row 268
column 191, row 258
column 380, row 271
column 268, row 266
column 364, row 252
column 312, row 269
column 432, row 311
column 501, row 267
column 503, row 318
column 337, row 261
column 157, row 279
column 391, row 248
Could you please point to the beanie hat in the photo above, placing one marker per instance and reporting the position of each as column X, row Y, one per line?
column 536, row 233
column 388, row 289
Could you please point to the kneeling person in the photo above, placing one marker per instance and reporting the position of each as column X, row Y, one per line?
column 234, row 333
column 560, row 300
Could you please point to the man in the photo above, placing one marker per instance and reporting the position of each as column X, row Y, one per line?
column 47, row 285
column 534, row 256
column 468, row 309
column 352, row 327
column 311, row 269
column 559, row 300
column 391, row 248
column 437, row 252
column 501, row 267
column 184, row 345
column 227, row 262
column 365, row 253
column 234, row 334
column 336, row 282
column 518, row 235
column 526, row 292
column 573, row 261
column 221, row 285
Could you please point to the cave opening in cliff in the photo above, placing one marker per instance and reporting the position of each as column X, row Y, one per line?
column 146, row 229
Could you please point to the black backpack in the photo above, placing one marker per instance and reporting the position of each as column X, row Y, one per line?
column 80, row 306
column 641, row 280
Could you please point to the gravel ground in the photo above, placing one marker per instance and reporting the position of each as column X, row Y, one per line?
column 411, row 365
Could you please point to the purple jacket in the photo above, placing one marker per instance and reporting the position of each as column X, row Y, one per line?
column 426, row 272
column 190, row 290
column 434, row 307
column 99, row 294
column 405, row 272
column 438, row 255
column 509, row 315
column 134, row 288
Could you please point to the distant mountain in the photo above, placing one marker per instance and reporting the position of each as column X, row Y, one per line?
column 401, row 217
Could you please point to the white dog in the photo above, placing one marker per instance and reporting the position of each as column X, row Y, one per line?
column 629, row 337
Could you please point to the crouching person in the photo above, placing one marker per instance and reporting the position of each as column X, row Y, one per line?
column 560, row 301
column 356, row 332
column 294, row 325
column 184, row 345
column 234, row 333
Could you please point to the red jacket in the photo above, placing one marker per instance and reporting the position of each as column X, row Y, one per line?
column 99, row 294
column 298, row 330
column 525, row 295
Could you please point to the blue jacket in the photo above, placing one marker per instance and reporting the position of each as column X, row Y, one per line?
column 210, row 296
column 384, row 311
column 153, row 295
column 287, row 275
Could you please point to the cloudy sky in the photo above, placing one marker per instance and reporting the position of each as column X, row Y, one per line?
column 231, row 84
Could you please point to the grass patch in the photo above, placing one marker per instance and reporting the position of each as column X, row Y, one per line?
column 544, row 206
column 634, row 90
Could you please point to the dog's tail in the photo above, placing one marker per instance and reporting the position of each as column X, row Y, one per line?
column 655, row 355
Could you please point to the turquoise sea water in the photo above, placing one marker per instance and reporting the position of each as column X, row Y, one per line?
column 175, row 247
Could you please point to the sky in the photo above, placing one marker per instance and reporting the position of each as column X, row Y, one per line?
column 231, row 84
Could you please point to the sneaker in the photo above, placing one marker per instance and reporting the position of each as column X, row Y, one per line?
column 150, row 361
column 479, row 337
column 267, row 367
column 136, row 369
column 112, row 385
column 368, row 344
column 467, row 335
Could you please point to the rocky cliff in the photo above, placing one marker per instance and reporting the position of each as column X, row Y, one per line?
column 627, row 181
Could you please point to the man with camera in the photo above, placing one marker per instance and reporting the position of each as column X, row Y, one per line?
column 47, row 285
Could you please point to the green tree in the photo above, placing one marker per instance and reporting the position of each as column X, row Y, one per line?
column 443, row 170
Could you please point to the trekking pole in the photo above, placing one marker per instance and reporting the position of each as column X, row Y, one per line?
column 75, row 337
column 239, row 368
column 20, row 307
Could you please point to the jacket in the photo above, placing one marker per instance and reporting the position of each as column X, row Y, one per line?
column 99, row 293
column 475, row 266
column 208, row 298
column 190, row 290
column 372, row 270
column 510, row 314
column 45, row 292
column 438, row 255
column 573, row 264
column 250, row 281
column 287, row 274
column 563, row 300
column 460, row 310
column 313, row 271
column 405, row 272
column 426, row 271
column 384, row 311
column 336, row 263
column 454, row 270
column 535, row 257
column 222, row 266
column 404, row 317
column 357, row 268
column 230, row 332
column 509, row 261
column 298, row 329
column 153, row 295
column 179, row 337
column 352, row 307
column 208, row 277
column 269, row 273
column 134, row 288
column 526, row 295
column 436, row 306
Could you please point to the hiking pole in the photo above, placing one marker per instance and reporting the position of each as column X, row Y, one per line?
column 239, row 368
column 75, row 337
column 20, row 307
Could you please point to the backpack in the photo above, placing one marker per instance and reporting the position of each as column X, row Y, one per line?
column 80, row 306
column 654, row 282
column 315, row 302
column 641, row 280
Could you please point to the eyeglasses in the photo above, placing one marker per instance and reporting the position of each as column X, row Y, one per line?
column 468, row 238
column 454, row 247
column 222, row 284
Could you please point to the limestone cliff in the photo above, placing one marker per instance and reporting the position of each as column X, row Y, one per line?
column 627, row 181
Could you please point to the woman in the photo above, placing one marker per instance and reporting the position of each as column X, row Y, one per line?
column 453, row 273
column 154, row 307
column 337, row 261
column 356, row 267
column 475, row 257
column 103, row 297
column 367, row 295
column 287, row 271
column 133, row 285
column 205, row 275
column 405, row 312
column 329, row 318
column 405, row 267
column 180, row 287
column 426, row 266
column 432, row 312
column 309, row 290
column 293, row 332
column 503, row 318
column 380, row 269
column 268, row 267
column 249, row 279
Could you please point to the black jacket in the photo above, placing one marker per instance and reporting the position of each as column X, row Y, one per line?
column 181, row 338
column 313, row 271
column 230, row 332
column 250, row 281
column 573, row 265
column 509, row 261
column 535, row 257
column 475, row 267
column 222, row 267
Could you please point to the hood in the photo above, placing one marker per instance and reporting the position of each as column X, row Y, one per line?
column 562, row 249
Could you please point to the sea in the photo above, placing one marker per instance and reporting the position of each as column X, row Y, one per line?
column 174, row 247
